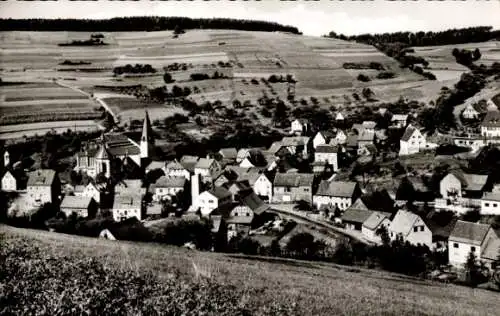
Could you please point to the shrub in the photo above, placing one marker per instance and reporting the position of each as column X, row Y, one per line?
column 363, row 78
column 386, row 75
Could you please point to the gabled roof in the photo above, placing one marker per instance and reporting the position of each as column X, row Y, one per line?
column 492, row 119
column 468, row 232
column 369, row 124
column 399, row 117
column 251, row 177
column 337, row 188
column 496, row 100
column 492, row 247
column 156, row 165
column 147, row 130
column 189, row 162
column 127, row 201
column 170, row 182
column 326, row 149
column 375, row 219
column 41, row 177
column 301, row 120
column 204, row 163
column 77, row 202
column 254, row 202
column 228, row 153
column 102, row 153
column 118, row 144
column 359, row 205
column 174, row 165
column 242, row 220
column 293, row 179
column 295, row 141
column 491, row 196
column 327, row 135
column 473, row 182
column 403, row 222
column 356, row 215
column 219, row 192
column 410, row 129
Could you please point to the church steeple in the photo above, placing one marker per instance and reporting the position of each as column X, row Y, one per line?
column 147, row 139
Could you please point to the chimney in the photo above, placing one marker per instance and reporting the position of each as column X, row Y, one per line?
column 195, row 188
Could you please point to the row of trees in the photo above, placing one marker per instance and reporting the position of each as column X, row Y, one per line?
column 448, row 37
column 146, row 23
column 136, row 69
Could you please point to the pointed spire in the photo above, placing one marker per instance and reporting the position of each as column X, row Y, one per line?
column 147, row 131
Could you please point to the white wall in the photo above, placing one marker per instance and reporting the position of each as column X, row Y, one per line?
column 118, row 214
column 448, row 183
column 459, row 251
column 9, row 183
column 263, row 187
column 341, row 202
column 489, row 207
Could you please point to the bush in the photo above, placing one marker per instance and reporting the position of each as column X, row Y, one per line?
column 386, row 75
column 363, row 78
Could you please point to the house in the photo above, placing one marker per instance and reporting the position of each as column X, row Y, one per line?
column 239, row 221
column 238, row 188
column 299, row 126
column 460, row 184
column 176, row 169
column 167, row 187
column 467, row 237
column 244, row 152
column 366, row 137
column 293, row 187
column 399, row 120
column 211, row 199
column 441, row 224
column 43, row 187
column 227, row 155
column 260, row 183
column 255, row 158
column 297, row 145
column 490, row 204
column 412, row 142
column 494, row 102
column 490, row 127
column 130, row 187
column 82, row 206
column 353, row 218
column 470, row 113
column 373, row 223
column 127, row 206
column 339, row 139
column 327, row 154
column 209, row 169
column 369, row 126
column 339, row 116
column 9, row 182
column 322, row 138
column 189, row 162
column 95, row 191
column 340, row 194
column 411, row 228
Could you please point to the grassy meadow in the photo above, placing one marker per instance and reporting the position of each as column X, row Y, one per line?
column 60, row 273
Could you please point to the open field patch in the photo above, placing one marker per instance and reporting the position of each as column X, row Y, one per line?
column 41, row 128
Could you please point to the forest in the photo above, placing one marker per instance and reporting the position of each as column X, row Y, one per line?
column 448, row 37
column 152, row 23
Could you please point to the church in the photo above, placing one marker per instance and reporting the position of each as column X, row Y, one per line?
column 114, row 149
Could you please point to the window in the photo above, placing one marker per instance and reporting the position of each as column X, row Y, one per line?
column 495, row 204
column 210, row 201
column 287, row 189
column 487, row 204
column 455, row 245
column 306, row 189
column 248, row 214
column 473, row 249
column 422, row 228
column 415, row 229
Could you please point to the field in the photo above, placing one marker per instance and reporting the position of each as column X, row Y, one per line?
column 170, row 280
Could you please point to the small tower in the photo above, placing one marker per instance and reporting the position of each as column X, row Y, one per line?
column 147, row 140
column 6, row 158
column 195, row 189
column 103, row 161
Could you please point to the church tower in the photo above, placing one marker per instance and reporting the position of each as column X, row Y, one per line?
column 147, row 140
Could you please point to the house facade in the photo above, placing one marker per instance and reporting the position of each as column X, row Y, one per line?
column 490, row 204
column 175, row 169
column 209, row 200
column 373, row 223
column 299, row 126
column 125, row 207
column 470, row 113
column 207, row 168
column 43, row 187
column 91, row 190
column 293, row 187
column 457, row 184
column 399, row 120
column 82, row 206
column 411, row 228
column 490, row 127
column 260, row 184
column 340, row 194
column 167, row 187
column 412, row 141
column 464, row 238
column 9, row 182
column 327, row 154
column 322, row 138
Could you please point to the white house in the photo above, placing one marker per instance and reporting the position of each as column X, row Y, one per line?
column 470, row 112
column 299, row 126
column 467, row 237
column 340, row 194
column 322, row 138
column 375, row 221
column 411, row 228
column 490, row 127
column 9, row 182
column 82, row 206
column 457, row 184
column 167, row 187
column 43, row 186
column 175, row 169
column 208, row 169
column 259, row 182
column 399, row 120
column 327, row 154
column 92, row 190
column 339, row 116
column 490, row 204
column 339, row 139
column 413, row 141
column 125, row 206
column 211, row 199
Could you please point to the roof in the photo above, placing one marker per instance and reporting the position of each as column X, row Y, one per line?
column 204, row 163
column 327, row 135
column 120, row 145
column 295, row 141
column 473, row 182
column 337, row 188
column 102, row 153
column 356, row 216
column 403, row 222
column 496, row 100
column 492, row 119
column 375, row 219
column 418, row 184
column 468, row 232
column 127, row 201
column 156, row 165
column 147, row 130
column 189, row 162
column 228, row 153
column 369, row 124
column 243, row 220
column 399, row 117
column 275, row 147
column 251, row 177
column 443, row 229
column 219, row 192
column 326, row 149
column 254, row 202
column 79, row 188
column 408, row 133
column 301, row 120
column 77, row 202
column 174, row 165
column 293, row 179
column 492, row 247
column 359, row 205
column 41, row 177
column 493, row 196
column 170, row 182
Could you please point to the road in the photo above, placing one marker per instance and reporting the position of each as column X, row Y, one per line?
column 278, row 209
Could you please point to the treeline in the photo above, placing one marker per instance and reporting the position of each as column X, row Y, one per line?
column 136, row 69
column 448, row 37
column 152, row 23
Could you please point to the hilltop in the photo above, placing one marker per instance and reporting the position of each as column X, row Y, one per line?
column 215, row 283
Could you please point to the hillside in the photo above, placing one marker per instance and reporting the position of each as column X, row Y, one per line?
column 185, row 281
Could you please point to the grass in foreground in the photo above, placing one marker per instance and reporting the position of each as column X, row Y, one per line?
column 61, row 274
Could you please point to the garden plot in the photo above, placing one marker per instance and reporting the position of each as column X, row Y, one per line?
column 41, row 128
column 160, row 61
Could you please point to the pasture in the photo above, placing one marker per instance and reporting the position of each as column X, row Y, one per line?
column 259, row 285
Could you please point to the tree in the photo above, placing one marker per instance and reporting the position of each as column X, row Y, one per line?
column 472, row 270
column 280, row 113
column 363, row 78
column 167, row 77
column 476, row 55
column 384, row 235
column 303, row 245
column 367, row 93
column 303, row 206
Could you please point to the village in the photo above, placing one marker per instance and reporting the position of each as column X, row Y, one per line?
column 254, row 193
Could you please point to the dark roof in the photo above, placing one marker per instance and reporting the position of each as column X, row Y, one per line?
column 438, row 229
column 468, row 232
column 204, row 163
column 496, row 100
column 492, row 119
column 337, row 188
column 120, row 145
column 490, row 250
column 293, row 179
column 228, row 153
column 375, row 219
column 170, row 182
column 474, row 182
column 219, row 192
column 80, row 202
column 352, row 215
column 189, row 162
column 253, row 201
column 41, row 177
column 327, row 135
column 243, row 220
column 326, row 149
column 408, row 133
